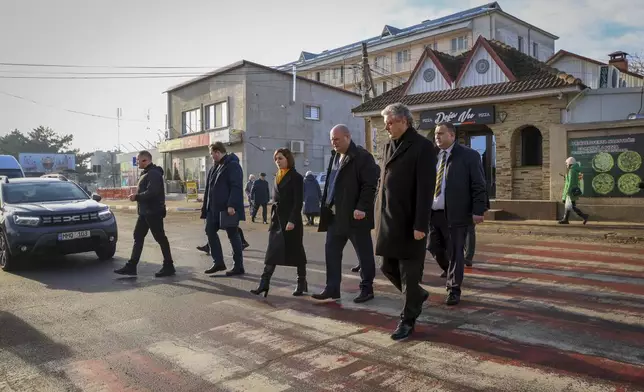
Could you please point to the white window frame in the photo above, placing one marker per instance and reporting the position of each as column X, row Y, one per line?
column 211, row 111
column 191, row 121
column 312, row 112
column 535, row 50
column 520, row 44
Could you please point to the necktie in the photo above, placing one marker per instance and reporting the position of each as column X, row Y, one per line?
column 440, row 174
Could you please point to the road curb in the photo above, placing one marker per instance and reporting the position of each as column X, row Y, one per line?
column 622, row 235
column 169, row 210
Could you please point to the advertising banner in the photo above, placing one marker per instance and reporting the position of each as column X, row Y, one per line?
column 46, row 163
column 611, row 165
column 457, row 116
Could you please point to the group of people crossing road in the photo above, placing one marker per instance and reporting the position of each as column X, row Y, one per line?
column 424, row 195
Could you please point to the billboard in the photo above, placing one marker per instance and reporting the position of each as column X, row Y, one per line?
column 46, row 163
column 611, row 165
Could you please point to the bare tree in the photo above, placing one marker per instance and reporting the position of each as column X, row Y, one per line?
column 636, row 63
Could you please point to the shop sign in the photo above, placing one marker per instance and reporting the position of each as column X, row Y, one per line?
column 201, row 140
column 458, row 116
column 191, row 190
column 170, row 145
column 611, row 166
column 225, row 136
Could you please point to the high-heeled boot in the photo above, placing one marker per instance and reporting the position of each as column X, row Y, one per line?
column 265, row 281
column 302, row 286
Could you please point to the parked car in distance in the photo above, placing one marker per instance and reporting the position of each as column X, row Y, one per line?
column 9, row 167
column 45, row 216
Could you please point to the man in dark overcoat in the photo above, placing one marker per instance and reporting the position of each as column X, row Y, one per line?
column 224, row 195
column 347, row 212
column 260, row 195
column 408, row 170
column 459, row 199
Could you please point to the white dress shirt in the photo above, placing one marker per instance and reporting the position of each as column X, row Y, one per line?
column 439, row 202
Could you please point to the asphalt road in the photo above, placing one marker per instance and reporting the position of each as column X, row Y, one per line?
column 535, row 315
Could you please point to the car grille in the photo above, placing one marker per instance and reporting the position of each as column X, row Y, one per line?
column 69, row 219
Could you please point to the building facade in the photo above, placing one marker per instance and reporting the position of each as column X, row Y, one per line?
column 254, row 110
column 394, row 52
column 504, row 103
column 596, row 74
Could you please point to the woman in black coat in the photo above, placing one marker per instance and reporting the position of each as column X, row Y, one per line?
column 312, row 197
column 286, row 232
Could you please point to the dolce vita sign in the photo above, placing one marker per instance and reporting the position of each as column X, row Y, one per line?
column 457, row 116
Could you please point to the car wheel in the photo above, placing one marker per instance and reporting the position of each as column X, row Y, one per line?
column 7, row 261
column 107, row 252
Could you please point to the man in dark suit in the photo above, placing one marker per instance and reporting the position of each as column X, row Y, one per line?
column 460, row 197
column 347, row 212
column 224, row 195
column 407, row 174
column 260, row 195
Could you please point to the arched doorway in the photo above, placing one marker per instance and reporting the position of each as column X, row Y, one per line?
column 481, row 139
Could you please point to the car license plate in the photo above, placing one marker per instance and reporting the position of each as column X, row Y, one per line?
column 73, row 235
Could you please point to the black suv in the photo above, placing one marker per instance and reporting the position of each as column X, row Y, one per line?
column 43, row 216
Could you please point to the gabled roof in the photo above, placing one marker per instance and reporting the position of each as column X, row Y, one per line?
column 390, row 30
column 439, row 61
column 527, row 74
column 243, row 63
column 425, row 26
column 307, row 56
column 562, row 53
column 496, row 56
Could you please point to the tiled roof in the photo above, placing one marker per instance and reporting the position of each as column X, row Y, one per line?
column 528, row 74
column 396, row 33
column 561, row 53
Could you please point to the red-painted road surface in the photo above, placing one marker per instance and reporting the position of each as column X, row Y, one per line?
column 535, row 316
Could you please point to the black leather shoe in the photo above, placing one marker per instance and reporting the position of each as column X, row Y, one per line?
column 166, row 270
column 402, row 331
column 204, row 248
column 425, row 295
column 468, row 262
column 326, row 295
column 301, row 288
column 356, row 268
column 215, row 268
column 235, row 272
column 452, row 299
column 128, row 269
column 262, row 288
column 245, row 245
column 364, row 296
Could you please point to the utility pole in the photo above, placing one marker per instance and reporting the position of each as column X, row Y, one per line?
column 118, row 126
column 367, row 84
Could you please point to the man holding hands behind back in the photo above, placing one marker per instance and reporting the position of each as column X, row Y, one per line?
column 402, row 211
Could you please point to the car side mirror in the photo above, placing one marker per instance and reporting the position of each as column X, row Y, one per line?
column 96, row 197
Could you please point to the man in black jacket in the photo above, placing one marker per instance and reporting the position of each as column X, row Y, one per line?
column 408, row 169
column 460, row 197
column 347, row 213
column 260, row 195
column 150, row 198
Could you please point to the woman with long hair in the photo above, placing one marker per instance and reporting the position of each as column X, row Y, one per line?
column 286, row 232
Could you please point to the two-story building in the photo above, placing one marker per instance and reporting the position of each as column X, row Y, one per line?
column 596, row 74
column 394, row 52
column 254, row 109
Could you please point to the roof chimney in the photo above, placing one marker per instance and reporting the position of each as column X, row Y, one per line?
column 619, row 60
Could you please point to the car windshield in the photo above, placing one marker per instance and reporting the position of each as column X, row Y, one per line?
column 32, row 192
column 11, row 173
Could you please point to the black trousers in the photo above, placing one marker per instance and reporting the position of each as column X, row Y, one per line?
column 153, row 223
column 270, row 269
column 470, row 242
column 447, row 245
column 405, row 275
column 333, row 248
column 256, row 210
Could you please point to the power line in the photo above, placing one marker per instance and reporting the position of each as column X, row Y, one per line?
column 104, row 66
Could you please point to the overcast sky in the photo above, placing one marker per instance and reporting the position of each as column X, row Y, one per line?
column 214, row 33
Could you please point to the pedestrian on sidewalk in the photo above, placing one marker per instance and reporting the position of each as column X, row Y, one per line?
column 347, row 213
column 247, row 189
column 312, row 197
column 150, row 199
column 286, row 232
column 572, row 191
column 223, row 208
column 260, row 195
column 460, row 198
column 402, row 211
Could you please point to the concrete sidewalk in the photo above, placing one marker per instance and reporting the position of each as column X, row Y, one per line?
column 171, row 205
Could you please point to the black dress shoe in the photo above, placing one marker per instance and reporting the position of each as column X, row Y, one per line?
column 215, row 268
column 235, row 272
column 425, row 295
column 444, row 274
column 453, row 299
column 356, row 268
column 245, row 245
column 128, row 269
column 166, row 270
column 468, row 262
column 326, row 295
column 205, row 249
column 364, row 296
column 402, row 331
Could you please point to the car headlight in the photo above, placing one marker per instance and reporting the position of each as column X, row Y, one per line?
column 105, row 215
column 26, row 220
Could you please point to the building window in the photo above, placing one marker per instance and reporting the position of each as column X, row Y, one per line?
column 317, row 76
column 312, row 112
column 520, row 44
column 191, row 121
column 217, row 115
column 384, row 86
column 531, row 146
column 403, row 56
column 535, row 50
column 459, row 44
